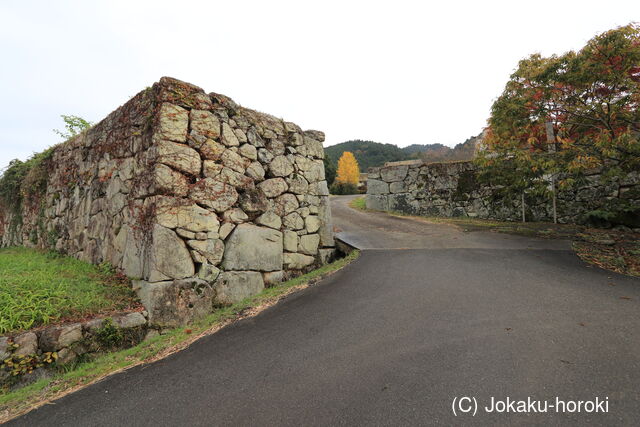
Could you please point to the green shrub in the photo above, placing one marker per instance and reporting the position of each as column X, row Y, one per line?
column 340, row 188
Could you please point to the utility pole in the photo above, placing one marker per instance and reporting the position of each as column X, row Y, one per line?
column 551, row 147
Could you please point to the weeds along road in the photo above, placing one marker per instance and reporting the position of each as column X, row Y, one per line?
column 425, row 315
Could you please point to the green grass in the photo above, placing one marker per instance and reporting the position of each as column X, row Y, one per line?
column 39, row 287
column 359, row 203
column 15, row 402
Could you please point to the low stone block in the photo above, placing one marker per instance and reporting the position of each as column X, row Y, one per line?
column 377, row 203
column 250, row 247
column 294, row 261
column 234, row 286
column 176, row 303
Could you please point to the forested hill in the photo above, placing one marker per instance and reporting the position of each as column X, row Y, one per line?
column 369, row 153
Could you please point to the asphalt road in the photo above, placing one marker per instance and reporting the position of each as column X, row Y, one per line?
column 426, row 314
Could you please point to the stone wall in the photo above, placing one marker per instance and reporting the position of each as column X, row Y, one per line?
column 199, row 199
column 453, row 190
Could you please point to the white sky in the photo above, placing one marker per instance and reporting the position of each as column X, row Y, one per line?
column 399, row 72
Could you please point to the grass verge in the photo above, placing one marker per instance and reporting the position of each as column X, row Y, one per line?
column 358, row 203
column 613, row 250
column 40, row 287
column 17, row 402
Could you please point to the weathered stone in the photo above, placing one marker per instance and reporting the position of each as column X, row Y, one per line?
column 295, row 261
column 393, row 173
column 168, row 181
column 169, row 258
column 211, row 249
column 130, row 320
column 4, row 348
column 248, row 151
column 312, row 223
column 226, row 229
column 312, row 147
column 293, row 221
column 326, row 255
column 178, row 156
column 304, row 211
column 27, row 344
column 235, row 179
column 254, row 139
column 234, row 286
column 285, row 204
column 242, row 137
column 208, row 148
column 205, row 123
column 208, row 272
column 66, row 356
column 273, row 187
column 55, row 338
column 211, row 169
column 297, row 184
column 326, row 229
column 397, row 187
column 175, row 303
column 291, row 241
column 235, row 215
column 253, row 248
column 216, row 195
column 377, row 202
column 309, row 244
column 229, row 137
column 170, row 214
column 319, row 188
column 280, row 166
column 375, row 186
column 269, row 219
column 253, row 200
column 234, row 161
column 315, row 172
column 173, row 122
column 272, row 277
column 276, row 147
column 255, row 171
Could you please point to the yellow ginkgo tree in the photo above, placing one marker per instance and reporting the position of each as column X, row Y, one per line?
column 347, row 175
column 348, row 170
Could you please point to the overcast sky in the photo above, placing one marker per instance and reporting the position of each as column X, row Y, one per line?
column 397, row 71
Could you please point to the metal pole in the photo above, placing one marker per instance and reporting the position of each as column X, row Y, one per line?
column 522, row 199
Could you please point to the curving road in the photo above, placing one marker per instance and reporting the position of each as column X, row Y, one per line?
column 426, row 314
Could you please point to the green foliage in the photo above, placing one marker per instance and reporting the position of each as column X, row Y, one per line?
column 372, row 154
column 367, row 153
column 18, row 366
column 25, row 180
column 73, row 125
column 109, row 335
column 565, row 115
column 341, row 188
column 359, row 203
column 38, row 287
column 329, row 169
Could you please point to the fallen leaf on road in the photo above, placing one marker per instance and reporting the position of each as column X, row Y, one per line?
column 626, row 298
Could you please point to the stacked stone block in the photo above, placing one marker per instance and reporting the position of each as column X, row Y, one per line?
column 200, row 200
column 453, row 190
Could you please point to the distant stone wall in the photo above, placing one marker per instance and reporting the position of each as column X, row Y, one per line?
column 452, row 190
column 204, row 201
